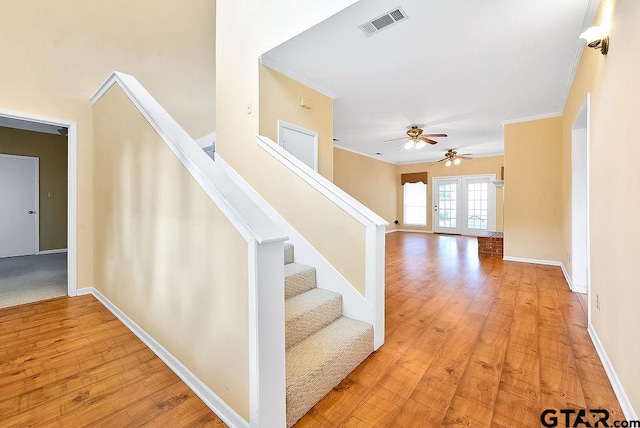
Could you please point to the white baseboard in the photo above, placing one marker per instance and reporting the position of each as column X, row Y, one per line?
column 546, row 263
column 623, row 399
column 215, row 403
column 566, row 276
column 532, row 261
column 409, row 230
column 59, row 250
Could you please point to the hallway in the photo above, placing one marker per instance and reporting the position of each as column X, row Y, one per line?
column 471, row 342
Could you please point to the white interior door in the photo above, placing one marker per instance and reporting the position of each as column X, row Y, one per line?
column 18, row 205
column 464, row 205
column 446, row 209
column 300, row 142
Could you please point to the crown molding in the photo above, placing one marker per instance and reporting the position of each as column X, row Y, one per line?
column 347, row 149
column 485, row 155
column 267, row 62
column 530, row 118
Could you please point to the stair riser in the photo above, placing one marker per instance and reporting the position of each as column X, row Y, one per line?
column 303, row 396
column 299, row 283
column 308, row 323
column 288, row 254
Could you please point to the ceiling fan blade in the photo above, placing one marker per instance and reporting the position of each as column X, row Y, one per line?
column 434, row 135
column 396, row 139
column 438, row 161
column 427, row 140
column 466, row 156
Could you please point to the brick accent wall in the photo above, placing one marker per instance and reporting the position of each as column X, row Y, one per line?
column 490, row 244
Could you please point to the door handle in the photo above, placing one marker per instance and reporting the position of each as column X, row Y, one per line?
column 31, row 212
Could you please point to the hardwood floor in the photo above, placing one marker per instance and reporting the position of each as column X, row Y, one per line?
column 470, row 342
column 68, row 362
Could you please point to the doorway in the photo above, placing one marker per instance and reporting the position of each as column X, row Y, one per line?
column 464, row 205
column 67, row 130
column 579, row 254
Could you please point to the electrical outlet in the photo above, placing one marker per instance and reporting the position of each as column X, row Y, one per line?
column 249, row 108
column 598, row 302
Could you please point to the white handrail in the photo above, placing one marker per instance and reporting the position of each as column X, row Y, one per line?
column 336, row 195
column 373, row 223
column 239, row 209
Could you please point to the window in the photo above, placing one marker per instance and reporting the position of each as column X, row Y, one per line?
column 415, row 204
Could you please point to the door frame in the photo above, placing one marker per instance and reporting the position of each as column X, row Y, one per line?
column 309, row 132
column 492, row 187
column 72, row 188
column 584, row 144
column 36, row 238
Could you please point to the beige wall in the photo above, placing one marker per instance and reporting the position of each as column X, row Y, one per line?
column 484, row 165
column 615, row 89
column 280, row 100
column 370, row 181
column 52, row 152
column 533, row 189
column 242, row 36
column 377, row 184
column 166, row 255
column 60, row 52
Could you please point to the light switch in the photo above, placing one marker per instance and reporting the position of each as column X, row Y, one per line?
column 50, row 195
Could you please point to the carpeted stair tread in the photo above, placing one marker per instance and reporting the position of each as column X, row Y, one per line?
column 319, row 362
column 308, row 312
column 298, row 279
column 288, row 253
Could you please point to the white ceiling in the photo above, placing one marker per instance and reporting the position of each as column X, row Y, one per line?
column 460, row 67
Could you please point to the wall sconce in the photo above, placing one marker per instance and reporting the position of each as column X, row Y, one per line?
column 596, row 39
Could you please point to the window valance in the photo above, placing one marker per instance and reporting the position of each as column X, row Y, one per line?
column 413, row 177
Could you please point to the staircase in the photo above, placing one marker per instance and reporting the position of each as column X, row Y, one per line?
column 322, row 345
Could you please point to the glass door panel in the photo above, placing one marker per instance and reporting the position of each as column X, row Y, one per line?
column 477, row 212
column 447, row 206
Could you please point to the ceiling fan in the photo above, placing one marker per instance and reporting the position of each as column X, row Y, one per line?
column 453, row 158
column 416, row 138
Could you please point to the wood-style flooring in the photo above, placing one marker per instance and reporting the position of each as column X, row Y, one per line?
column 470, row 342
column 68, row 362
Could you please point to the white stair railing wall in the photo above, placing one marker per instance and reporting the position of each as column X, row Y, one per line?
column 367, row 306
column 264, row 249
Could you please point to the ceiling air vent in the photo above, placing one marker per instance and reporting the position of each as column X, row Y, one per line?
column 388, row 19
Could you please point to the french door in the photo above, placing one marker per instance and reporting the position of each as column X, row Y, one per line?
column 464, row 205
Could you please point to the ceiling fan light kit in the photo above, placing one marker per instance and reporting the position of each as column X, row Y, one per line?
column 453, row 158
column 416, row 138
